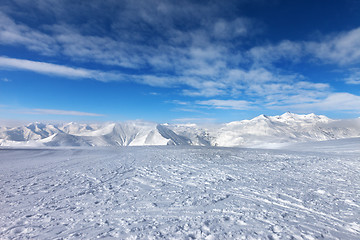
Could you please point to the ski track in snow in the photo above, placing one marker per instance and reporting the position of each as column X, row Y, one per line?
column 178, row 193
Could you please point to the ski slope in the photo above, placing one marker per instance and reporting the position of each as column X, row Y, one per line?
column 180, row 192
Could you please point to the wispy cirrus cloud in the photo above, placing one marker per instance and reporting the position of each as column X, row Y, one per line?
column 353, row 77
column 230, row 81
column 135, row 35
column 198, row 49
column 339, row 48
column 57, row 70
column 194, row 56
column 275, row 90
column 342, row 48
column 44, row 68
column 227, row 104
column 332, row 102
column 43, row 111
column 12, row 33
column 60, row 112
column 269, row 54
column 193, row 41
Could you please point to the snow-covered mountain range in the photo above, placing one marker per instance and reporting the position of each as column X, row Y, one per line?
column 262, row 131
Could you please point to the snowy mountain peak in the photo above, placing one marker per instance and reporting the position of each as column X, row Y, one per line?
column 289, row 115
column 258, row 132
column 261, row 117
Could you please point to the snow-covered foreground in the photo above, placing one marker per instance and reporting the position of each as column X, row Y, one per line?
column 180, row 192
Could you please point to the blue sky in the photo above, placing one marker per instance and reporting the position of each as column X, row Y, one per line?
column 170, row 61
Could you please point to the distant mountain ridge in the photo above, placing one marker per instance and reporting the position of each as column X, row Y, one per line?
column 261, row 131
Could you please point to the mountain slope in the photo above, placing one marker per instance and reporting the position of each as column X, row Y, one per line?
column 269, row 131
column 261, row 131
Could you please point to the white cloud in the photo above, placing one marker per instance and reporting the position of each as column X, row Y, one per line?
column 272, row 89
column 200, row 58
column 354, row 77
column 182, row 52
column 206, row 92
column 332, row 102
column 100, row 49
column 44, row 68
column 259, row 75
column 188, row 58
column 12, row 33
column 178, row 102
column 239, row 27
column 286, row 92
column 227, row 104
column 271, row 86
column 201, row 87
column 61, row 112
column 57, row 70
column 264, row 55
column 255, row 76
column 343, row 48
column 132, row 42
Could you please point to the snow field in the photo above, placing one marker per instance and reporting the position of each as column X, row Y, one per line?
column 178, row 193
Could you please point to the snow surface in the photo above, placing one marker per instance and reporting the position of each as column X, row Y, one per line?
column 180, row 192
